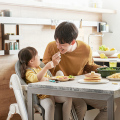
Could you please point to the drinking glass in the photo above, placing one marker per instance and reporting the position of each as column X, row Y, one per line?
column 113, row 63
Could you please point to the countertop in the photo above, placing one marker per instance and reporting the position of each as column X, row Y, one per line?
column 96, row 59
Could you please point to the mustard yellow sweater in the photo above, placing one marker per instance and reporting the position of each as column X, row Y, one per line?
column 72, row 63
column 31, row 77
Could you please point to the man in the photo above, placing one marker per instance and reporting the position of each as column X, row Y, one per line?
column 73, row 58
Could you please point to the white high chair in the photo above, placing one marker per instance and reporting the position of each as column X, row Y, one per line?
column 20, row 91
column 19, row 107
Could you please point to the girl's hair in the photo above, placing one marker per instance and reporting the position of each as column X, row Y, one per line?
column 25, row 55
column 66, row 32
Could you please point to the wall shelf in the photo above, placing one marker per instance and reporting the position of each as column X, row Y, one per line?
column 10, row 43
column 12, row 37
column 1, row 52
column 18, row 20
column 43, row 5
column 11, row 52
column 36, row 21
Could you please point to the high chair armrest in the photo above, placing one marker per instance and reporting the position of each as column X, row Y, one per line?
column 24, row 87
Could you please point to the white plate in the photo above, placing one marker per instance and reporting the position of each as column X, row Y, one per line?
column 85, row 82
column 113, row 79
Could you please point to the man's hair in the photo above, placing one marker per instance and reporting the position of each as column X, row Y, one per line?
column 66, row 32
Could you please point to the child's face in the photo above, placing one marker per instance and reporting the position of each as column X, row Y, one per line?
column 63, row 48
column 36, row 61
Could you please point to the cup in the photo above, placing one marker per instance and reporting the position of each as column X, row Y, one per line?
column 102, row 27
column 113, row 63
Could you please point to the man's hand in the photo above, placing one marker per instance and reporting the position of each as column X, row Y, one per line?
column 56, row 58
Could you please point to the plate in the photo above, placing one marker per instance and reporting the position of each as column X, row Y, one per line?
column 52, row 78
column 85, row 82
column 63, row 80
column 113, row 78
column 59, row 78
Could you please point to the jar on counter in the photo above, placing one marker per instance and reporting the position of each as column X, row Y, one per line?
column 102, row 27
column 107, row 28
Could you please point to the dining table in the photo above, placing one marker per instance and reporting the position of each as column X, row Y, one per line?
column 107, row 90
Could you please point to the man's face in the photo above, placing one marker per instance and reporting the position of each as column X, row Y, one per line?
column 63, row 48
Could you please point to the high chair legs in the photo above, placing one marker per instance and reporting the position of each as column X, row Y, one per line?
column 12, row 110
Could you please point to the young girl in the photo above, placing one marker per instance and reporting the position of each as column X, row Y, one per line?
column 32, row 72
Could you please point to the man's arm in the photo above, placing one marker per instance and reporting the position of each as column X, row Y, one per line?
column 90, row 66
column 51, row 55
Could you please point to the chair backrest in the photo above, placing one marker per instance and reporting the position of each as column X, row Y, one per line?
column 17, row 70
column 16, row 85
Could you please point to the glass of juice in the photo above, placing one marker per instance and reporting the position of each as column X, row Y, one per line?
column 113, row 63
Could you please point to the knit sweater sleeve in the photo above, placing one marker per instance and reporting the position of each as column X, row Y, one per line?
column 90, row 66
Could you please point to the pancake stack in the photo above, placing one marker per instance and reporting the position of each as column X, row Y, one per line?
column 92, row 77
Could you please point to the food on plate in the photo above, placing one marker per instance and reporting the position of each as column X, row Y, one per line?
column 71, row 76
column 92, row 77
column 58, row 76
column 118, row 55
column 110, row 68
column 116, row 75
column 63, row 77
column 102, row 55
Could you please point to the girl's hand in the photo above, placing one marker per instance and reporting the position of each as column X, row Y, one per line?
column 56, row 58
column 49, row 65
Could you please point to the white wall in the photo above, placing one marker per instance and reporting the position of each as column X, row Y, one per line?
column 113, row 39
column 113, row 20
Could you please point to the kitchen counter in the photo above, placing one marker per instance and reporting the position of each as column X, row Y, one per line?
column 96, row 59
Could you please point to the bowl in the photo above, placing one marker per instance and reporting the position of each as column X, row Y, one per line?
column 106, row 71
column 107, row 53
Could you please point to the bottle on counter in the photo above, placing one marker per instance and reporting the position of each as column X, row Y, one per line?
column 16, row 45
column 11, row 45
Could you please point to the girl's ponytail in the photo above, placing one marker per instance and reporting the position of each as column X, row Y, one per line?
column 23, row 68
column 25, row 55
